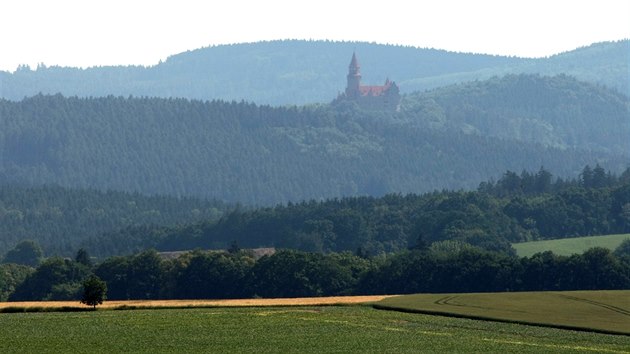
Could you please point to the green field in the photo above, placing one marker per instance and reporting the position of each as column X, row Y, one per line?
column 327, row 329
column 605, row 311
column 569, row 246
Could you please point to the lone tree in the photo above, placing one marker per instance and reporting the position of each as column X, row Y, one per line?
column 94, row 291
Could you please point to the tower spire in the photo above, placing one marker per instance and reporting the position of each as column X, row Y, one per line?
column 354, row 77
column 354, row 63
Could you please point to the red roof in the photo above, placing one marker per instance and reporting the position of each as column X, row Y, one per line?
column 375, row 90
column 372, row 90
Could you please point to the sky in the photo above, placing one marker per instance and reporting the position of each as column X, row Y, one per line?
column 84, row 33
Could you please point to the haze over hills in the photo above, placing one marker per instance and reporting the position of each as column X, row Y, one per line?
column 289, row 168
column 241, row 152
column 553, row 111
column 299, row 72
column 463, row 121
column 59, row 218
column 454, row 136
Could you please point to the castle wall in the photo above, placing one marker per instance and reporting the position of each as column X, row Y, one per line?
column 379, row 103
column 377, row 98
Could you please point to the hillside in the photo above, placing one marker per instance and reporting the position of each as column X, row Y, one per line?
column 299, row 72
column 605, row 63
column 240, row 152
column 488, row 218
column 554, row 111
column 602, row 63
column 60, row 219
column 514, row 209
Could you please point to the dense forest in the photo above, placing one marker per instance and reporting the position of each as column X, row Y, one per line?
column 437, row 242
column 59, row 219
column 552, row 111
column 425, row 199
column 443, row 267
column 514, row 208
column 261, row 155
column 300, row 72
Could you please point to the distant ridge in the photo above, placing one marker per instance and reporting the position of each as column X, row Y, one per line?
column 300, row 72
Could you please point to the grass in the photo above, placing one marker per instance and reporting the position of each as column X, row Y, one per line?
column 569, row 246
column 603, row 311
column 309, row 329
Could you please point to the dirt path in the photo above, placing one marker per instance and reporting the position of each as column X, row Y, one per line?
column 306, row 301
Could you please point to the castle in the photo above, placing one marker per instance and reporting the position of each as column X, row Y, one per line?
column 376, row 98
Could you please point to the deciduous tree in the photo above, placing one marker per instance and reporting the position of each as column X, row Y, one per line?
column 94, row 291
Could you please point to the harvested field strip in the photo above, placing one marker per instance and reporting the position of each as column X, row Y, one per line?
column 598, row 311
column 35, row 306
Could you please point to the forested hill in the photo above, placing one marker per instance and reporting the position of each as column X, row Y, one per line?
column 298, row 72
column 517, row 207
column 532, row 205
column 59, row 219
column 554, row 111
column 241, row 152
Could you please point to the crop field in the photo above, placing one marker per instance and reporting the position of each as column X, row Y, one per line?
column 605, row 311
column 43, row 306
column 569, row 246
column 307, row 329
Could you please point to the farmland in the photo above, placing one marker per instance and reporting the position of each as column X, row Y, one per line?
column 606, row 311
column 307, row 329
column 49, row 306
column 569, row 246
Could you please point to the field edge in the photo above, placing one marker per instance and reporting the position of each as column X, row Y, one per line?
column 73, row 306
column 495, row 319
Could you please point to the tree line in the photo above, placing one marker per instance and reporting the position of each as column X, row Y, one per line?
column 437, row 242
column 446, row 266
column 514, row 208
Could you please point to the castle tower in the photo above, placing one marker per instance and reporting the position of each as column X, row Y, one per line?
column 374, row 98
column 354, row 78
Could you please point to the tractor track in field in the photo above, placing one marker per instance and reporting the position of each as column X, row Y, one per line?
column 450, row 301
column 444, row 300
column 518, row 309
column 603, row 305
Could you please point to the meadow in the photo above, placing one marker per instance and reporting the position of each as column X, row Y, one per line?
column 569, row 246
column 306, row 329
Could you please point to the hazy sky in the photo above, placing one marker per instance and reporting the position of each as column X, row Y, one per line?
column 97, row 32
